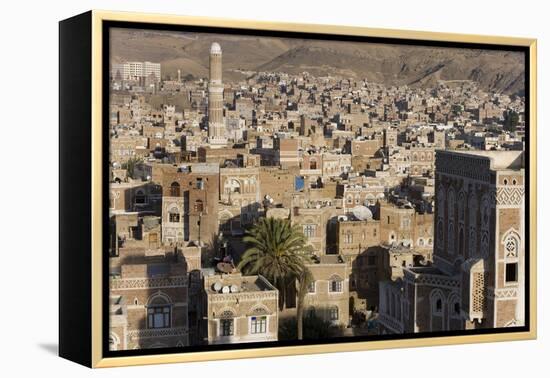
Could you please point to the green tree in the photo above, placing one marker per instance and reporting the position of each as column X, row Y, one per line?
column 131, row 165
column 277, row 250
column 511, row 120
column 304, row 280
column 315, row 328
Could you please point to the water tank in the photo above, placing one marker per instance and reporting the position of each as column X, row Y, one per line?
column 362, row 213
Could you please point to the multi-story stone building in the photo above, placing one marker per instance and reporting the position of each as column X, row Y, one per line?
column 240, row 198
column 328, row 293
column 190, row 204
column 148, row 299
column 477, row 279
column 240, row 309
column 403, row 224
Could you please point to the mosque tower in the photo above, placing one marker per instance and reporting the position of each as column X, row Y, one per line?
column 216, row 124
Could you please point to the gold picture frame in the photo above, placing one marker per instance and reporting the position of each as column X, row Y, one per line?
column 92, row 327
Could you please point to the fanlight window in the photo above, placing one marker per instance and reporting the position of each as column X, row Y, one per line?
column 175, row 189
column 335, row 284
column 226, row 323
column 309, row 230
column 140, row 197
column 232, row 186
column 174, row 215
column 436, row 302
column 158, row 313
column 511, row 247
column 199, row 206
column 348, row 238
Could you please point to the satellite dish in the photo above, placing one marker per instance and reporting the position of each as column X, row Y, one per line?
column 225, row 290
column 218, row 286
column 362, row 213
column 234, row 288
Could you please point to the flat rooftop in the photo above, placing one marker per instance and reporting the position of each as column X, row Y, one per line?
column 237, row 283
column 499, row 159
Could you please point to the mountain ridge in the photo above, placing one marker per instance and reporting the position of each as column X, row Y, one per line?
column 494, row 70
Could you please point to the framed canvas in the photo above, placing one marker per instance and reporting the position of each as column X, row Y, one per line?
column 234, row 189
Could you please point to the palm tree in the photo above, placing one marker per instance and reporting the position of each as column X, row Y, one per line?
column 304, row 280
column 276, row 250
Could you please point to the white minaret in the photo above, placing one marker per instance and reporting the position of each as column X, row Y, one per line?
column 216, row 125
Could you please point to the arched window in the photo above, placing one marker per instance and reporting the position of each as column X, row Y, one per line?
column 441, row 197
column 159, row 312
column 455, row 313
column 309, row 230
column 174, row 215
column 511, row 246
column 348, row 237
column 461, row 240
column 461, row 207
column 485, row 213
column 472, row 221
column 484, row 243
column 451, row 204
column 114, row 341
column 227, row 323
column 440, row 234
column 472, row 209
column 451, row 237
column 436, row 302
column 174, row 189
column 199, row 208
column 333, row 313
column 511, row 257
column 313, row 164
column 232, row 186
column 140, row 197
column 336, row 284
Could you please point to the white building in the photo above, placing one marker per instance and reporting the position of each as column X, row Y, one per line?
column 135, row 70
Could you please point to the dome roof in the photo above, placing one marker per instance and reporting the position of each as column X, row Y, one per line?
column 215, row 48
column 362, row 213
